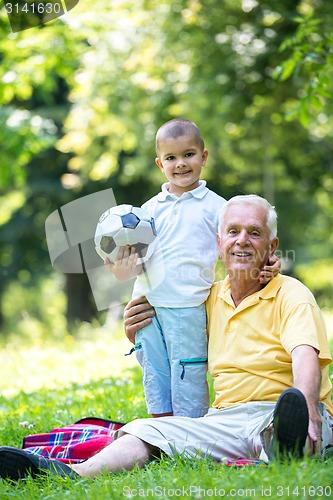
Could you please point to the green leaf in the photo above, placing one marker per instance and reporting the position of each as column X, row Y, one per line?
column 287, row 69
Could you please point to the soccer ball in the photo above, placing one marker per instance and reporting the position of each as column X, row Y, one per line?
column 125, row 225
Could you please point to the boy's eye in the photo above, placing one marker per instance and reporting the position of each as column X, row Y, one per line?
column 189, row 154
column 169, row 158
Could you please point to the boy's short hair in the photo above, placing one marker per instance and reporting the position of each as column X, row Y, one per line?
column 176, row 128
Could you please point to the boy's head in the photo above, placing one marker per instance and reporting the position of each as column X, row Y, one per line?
column 176, row 128
column 181, row 154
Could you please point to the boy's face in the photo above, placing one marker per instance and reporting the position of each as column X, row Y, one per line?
column 181, row 160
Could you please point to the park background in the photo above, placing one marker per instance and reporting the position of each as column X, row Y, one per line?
column 81, row 99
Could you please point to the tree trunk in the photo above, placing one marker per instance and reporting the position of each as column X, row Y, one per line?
column 80, row 303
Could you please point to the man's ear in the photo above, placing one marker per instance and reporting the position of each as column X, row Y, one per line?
column 218, row 240
column 273, row 245
column 159, row 164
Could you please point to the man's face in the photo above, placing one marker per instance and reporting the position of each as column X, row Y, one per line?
column 245, row 244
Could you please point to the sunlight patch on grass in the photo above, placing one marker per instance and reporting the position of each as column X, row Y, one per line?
column 95, row 354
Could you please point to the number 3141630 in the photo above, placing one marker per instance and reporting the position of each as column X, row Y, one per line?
column 34, row 8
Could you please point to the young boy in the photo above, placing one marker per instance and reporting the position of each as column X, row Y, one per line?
column 172, row 350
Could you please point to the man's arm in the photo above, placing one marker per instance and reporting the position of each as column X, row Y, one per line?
column 137, row 314
column 307, row 378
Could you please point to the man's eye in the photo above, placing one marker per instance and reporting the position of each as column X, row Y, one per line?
column 232, row 231
column 255, row 233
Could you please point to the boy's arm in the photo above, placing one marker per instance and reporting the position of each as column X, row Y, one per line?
column 126, row 266
column 271, row 270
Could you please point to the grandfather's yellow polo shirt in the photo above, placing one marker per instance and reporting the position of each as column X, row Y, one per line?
column 250, row 345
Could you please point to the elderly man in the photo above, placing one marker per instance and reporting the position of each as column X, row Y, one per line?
column 268, row 355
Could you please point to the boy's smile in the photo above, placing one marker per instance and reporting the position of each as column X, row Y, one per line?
column 181, row 160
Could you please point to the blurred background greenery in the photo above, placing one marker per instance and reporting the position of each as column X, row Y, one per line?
column 81, row 99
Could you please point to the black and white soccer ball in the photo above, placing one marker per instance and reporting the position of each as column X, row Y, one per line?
column 125, row 225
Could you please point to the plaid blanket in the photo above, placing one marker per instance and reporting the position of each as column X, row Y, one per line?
column 75, row 442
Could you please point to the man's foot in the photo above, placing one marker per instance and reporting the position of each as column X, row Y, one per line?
column 18, row 464
column 291, row 422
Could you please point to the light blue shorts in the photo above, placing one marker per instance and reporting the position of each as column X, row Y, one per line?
column 172, row 351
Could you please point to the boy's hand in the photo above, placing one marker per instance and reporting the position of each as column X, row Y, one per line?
column 125, row 266
column 271, row 270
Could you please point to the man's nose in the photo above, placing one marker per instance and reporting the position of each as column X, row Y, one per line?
column 243, row 237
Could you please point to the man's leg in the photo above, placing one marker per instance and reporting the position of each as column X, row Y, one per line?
column 123, row 454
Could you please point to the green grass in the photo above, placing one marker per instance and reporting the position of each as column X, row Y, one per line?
column 88, row 376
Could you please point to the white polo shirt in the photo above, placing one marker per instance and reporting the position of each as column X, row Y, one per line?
column 180, row 273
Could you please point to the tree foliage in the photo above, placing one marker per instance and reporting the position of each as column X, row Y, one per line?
column 81, row 99
column 311, row 55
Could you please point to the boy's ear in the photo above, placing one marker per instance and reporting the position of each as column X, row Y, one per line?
column 204, row 156
column 159, row 163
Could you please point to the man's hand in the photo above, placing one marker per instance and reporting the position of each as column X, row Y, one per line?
column 137, row 314
column 125, row 267
column 313, row 441
column 271, row 270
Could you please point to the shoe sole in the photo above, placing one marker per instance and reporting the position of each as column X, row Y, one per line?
column 18, row 464
column 291, row 422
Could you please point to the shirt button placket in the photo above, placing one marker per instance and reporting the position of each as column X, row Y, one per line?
column 174, row 211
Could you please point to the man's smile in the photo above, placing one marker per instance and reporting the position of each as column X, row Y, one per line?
column 242, row 254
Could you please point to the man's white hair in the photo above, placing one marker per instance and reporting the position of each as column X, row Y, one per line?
column 255, row 200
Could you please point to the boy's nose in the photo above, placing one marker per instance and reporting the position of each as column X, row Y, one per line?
column 181, row 163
